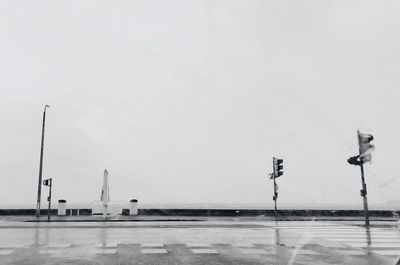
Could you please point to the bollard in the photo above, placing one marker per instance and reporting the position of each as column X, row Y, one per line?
column 133, row 209
column 62, row 207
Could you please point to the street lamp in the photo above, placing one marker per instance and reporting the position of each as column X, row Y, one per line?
column 41, row 164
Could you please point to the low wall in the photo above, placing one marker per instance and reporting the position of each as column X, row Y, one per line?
column 217, row 212
column 44, row 212
column 247, row 212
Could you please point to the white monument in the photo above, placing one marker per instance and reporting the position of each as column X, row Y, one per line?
column 105, row 194
column 104, row 206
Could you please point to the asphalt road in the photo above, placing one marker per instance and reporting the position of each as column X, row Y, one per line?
column 210, row 241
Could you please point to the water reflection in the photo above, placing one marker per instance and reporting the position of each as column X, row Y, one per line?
column 277, row 240
column 41, row 236
column 104, row 234
column 368, row 235
column 369, row 243
column 36, row 237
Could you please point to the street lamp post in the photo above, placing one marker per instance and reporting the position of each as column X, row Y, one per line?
column 41, row 164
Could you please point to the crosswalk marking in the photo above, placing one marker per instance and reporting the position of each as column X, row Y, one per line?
column 332, row 228
column 388, row 252
column 376, row 240
column 364, row 240
column 242, row 245
column 198, row 245
column 352, row 252
column 340, row 231
column 204, row 251
column 5, row 245
column 107, row 245
column 6, row 251
column 152, row 245
column 51, row 251
column 337, row 229
column 355, row 236
column 306, row 252
column 58, row 245
column 375, row 245
column 355, row 233
column 353, row 246
column 154, row 251
column 253, row 251
column 104, row 251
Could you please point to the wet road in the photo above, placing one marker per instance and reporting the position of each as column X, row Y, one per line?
column 208, row 242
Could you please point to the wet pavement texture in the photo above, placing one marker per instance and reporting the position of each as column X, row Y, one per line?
column 211, row 241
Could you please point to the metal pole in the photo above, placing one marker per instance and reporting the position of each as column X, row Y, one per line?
column 275, row 198
column 49, row 199
column 364, row 185
column 364, row 195
column 39, row 194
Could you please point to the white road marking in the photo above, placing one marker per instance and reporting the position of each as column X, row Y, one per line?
column 51, row 251
column 353, row 252
column 152, row 245
column 387, row 252
column 364, row 240
column 204, row 251
column 58, row 245
column 105, row 251
column 356, row 236
column 306, row 252
column 242, row 245
column 12, row 245
column 108, row 245
column 375, row 245
column 198, row 245
column 372, row 235
column 6, row 252
column 154, row 251
column 253, row 251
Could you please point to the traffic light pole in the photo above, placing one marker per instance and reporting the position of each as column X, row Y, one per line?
column 49, row 199
column 275, row 198
column 364, row 195
column 277, row 172
column 364, row 185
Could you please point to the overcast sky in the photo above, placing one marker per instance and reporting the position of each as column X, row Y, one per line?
column 188, row 101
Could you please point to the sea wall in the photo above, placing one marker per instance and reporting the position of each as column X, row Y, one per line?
column 217, row 212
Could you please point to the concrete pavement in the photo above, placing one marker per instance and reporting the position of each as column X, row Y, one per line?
column 200, row 241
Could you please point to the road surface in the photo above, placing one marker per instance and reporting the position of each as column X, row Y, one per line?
column 210, row 241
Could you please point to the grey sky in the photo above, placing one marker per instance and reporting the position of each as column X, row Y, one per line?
column 187, row 101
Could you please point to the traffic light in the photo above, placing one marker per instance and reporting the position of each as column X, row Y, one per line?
column 47, row 182
column 365, row 146
column 355, row 160
column 278, row 167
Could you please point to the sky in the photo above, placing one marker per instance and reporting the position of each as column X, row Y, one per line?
column 188, row 101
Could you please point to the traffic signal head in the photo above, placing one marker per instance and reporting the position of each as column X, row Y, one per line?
column 278, row 167
column 365, row 146
column 47, row 182
column 355, row 160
